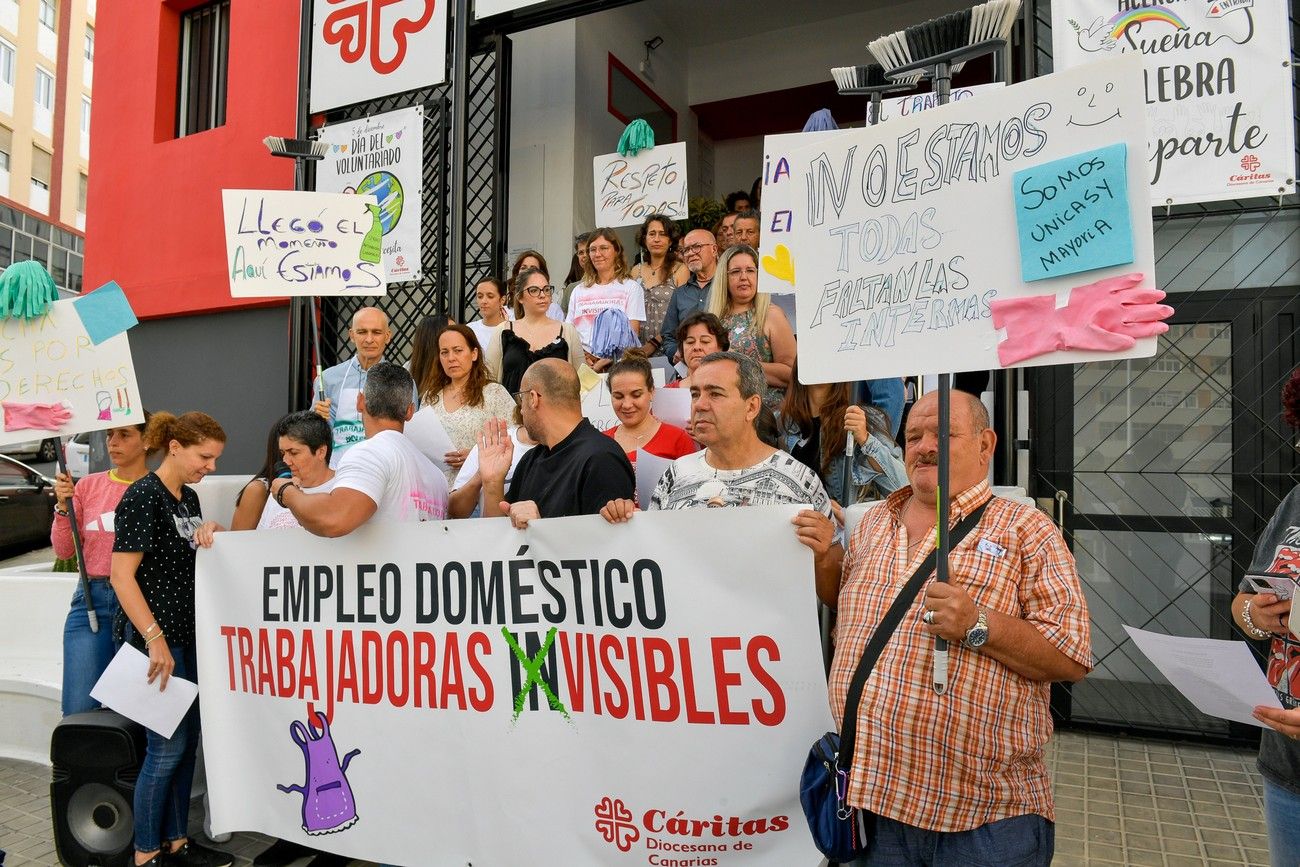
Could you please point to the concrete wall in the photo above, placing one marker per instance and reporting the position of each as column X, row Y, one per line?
column 191, row 362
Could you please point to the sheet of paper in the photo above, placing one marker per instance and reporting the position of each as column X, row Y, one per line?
column 648, row 470
column 1072, row 214
column 429, row 436
column 1221, row 678
column 672, row 405
column 105, row 312
column 124, row 687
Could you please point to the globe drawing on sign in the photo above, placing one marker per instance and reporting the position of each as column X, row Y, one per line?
column 387, row 189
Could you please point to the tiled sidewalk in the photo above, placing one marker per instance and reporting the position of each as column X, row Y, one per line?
column 1119, row 801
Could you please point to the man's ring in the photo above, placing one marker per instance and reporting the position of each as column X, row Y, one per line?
column 928, row 617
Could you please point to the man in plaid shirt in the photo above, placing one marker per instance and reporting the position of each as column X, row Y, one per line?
column 958, row 778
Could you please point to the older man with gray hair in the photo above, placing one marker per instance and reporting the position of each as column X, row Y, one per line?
column 736, row 468
column 384, row 477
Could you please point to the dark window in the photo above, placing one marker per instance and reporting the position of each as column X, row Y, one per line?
column 74, row 273
column 201, row 89
column 630, row 98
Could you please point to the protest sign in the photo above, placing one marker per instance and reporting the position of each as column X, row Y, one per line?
column 782, row 198
column 1217, row 82
column 57, row 379
column 280, row 242
column 909, row 232
column 364, row 50
column 629, row 189
column 382, row 156
column 1083, row 190
column 584, row 681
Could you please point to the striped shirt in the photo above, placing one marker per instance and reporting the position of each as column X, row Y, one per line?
column 975, row 755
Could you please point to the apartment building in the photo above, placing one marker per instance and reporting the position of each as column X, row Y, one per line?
column 47, row 54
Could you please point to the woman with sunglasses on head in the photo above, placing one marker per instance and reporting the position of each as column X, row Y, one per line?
column 755, row 326
column 159, row 525
column 532, row 336
column 94, row 499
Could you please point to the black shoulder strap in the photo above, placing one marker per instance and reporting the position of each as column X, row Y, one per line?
column 885, row 631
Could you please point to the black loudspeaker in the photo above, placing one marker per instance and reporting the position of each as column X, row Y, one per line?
column 96, row 758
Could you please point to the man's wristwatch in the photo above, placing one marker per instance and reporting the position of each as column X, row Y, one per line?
column 978, row 635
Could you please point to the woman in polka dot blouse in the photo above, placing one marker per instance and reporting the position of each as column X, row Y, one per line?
column 159, row 525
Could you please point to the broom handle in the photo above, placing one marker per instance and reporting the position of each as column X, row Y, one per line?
column 91, row 615
column 943, row 91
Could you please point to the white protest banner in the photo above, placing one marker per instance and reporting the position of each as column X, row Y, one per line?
column 577, row 693
column 61, row 375
column 910, row 229
column 382, row 156
column 1217, row 81
column 365, row 49
column 782, row 197
column 280, row 242
column 629, row 189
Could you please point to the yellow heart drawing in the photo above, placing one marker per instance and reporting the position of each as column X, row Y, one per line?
column 780, row 266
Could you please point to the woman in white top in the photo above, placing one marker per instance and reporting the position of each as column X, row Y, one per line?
column 606, row 284
column 304, row 441
column 490, row 295
column 460, row 395
column 533, row 336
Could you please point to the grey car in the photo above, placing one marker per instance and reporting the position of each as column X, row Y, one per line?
column 26, row 504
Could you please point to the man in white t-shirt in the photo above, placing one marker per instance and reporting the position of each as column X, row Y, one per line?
column 736, row 468
column 384, row 477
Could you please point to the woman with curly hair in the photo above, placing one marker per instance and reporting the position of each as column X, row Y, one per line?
column 659, row 272
column 158, row 525
column 458, row 393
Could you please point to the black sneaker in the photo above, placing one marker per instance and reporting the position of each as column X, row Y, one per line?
column 194, row 855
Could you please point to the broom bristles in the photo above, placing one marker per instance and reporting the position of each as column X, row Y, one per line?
column 938, row 36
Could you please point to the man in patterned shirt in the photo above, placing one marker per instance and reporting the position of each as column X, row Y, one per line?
column 958, row 778
column 736, row 468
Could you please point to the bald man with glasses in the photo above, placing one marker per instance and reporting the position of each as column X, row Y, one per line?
column 699, row 250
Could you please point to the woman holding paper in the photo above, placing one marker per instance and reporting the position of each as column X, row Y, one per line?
column 460, row 395
column 631, row 390
column 756, row 327
column 1266, row 616
column 159, row 525
column 94, row 499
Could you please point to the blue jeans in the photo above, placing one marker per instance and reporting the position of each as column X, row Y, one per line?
column 1021, row 841
column 1282, row 814
column 162, row 792
column 86, row 654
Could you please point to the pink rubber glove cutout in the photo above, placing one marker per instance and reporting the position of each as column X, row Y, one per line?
column 35, row 416
column 1109, row 315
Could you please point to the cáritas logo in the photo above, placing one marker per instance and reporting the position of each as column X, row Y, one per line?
column 614, row 822
column 1250, row 163
column 618, row 827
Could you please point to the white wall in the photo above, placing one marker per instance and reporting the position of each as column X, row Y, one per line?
column 543, row 106
column 621, row 32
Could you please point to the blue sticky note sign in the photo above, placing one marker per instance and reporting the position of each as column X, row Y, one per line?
column 1072, row 214
column 105, row 312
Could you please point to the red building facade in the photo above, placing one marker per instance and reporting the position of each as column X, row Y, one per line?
column 154, row 223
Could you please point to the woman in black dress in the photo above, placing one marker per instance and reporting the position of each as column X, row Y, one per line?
column 516, row 345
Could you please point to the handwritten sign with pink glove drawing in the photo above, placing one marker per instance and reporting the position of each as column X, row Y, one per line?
column 909, row 250
column 68, row 370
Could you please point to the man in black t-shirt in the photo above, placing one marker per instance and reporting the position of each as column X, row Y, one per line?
column 574, row 469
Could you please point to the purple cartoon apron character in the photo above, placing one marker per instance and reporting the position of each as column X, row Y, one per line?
column 327, row 804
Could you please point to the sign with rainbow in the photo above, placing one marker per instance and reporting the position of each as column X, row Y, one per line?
column 1217, row 83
